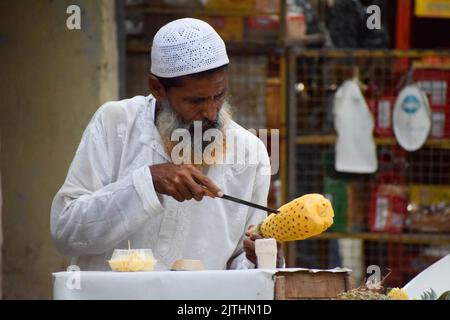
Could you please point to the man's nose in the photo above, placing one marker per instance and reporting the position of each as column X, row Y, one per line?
column 210, row 110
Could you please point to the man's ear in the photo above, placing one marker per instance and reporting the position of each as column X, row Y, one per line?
column 156, row 88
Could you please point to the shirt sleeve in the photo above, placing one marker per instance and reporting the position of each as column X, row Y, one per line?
column 90, row 214
column 255, row 216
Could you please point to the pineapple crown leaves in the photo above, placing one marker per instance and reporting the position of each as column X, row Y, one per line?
column 431, row 295
column 428, row 295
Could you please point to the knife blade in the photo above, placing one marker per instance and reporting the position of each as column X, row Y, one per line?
column 250, row 204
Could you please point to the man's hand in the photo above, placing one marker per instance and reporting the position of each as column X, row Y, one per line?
column 182, row 182
column 249, row 246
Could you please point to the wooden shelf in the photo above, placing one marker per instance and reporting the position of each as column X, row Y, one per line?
column 412, row 238
column 367, row 53
column 186, row 11
column 331, row 139
column 316, row 139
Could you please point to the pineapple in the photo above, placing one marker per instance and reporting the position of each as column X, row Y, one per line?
column 299, row 219
column 398, row 294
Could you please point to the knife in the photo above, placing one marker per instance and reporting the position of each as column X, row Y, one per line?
column 250, row 204
column 247, row 203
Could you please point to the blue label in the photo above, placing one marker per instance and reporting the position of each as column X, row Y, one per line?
column 410, row 104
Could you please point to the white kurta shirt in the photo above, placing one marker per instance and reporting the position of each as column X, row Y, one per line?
column 108, row 196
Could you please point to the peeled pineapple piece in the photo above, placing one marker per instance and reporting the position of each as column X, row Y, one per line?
column 299, row 219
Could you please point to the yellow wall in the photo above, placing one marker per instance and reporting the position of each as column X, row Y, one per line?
column 52, row 80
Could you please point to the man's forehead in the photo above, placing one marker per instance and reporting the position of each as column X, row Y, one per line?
column 204, row 85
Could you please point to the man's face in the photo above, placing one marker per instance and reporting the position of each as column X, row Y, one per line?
column 199, row 99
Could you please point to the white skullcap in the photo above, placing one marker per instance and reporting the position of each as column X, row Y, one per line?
column 186, row 46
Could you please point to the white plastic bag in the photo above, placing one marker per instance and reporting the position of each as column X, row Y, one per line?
column 355, row 147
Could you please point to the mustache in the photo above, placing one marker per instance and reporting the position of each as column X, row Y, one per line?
column 169, row 119
column 205, row 125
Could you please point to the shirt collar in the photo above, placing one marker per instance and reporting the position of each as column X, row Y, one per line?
column 150, row 135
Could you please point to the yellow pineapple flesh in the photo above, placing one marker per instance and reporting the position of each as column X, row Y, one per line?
column 299, row 219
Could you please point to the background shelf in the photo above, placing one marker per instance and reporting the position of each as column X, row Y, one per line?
column 418, row 238
column 331, row 139
column 189, row 11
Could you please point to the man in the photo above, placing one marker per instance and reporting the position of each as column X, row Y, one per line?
column 126, row 181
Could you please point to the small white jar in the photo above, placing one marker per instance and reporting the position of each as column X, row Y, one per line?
column 266, row 253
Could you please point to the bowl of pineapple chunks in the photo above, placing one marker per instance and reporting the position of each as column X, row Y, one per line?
column 132, row 260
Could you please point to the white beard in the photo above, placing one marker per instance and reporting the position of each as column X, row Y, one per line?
column 168, row 121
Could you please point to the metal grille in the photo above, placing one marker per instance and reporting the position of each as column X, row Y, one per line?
column 403, row 181
column 247, row 92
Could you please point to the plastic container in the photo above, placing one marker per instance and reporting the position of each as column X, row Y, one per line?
column 266, row 253
column 132, row 260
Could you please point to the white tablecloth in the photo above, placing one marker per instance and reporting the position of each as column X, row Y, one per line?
column 252, row 284
column 255, row 284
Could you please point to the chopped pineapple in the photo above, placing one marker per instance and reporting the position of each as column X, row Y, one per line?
column 133, row 262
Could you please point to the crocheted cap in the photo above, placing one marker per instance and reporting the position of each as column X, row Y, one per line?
column 186, row 46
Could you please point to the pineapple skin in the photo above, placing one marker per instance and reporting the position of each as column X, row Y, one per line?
column 361, row 294
column 304, row 217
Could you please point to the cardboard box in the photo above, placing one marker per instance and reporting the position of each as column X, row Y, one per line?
column 230, row 28
column 429, row 209
column 230, row 5
column 263, row 28
column 435, row 82
column 429, row 194
column 295, row 27
column 267, row 6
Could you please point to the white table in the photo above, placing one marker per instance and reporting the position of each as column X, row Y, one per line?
column 255, row 284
